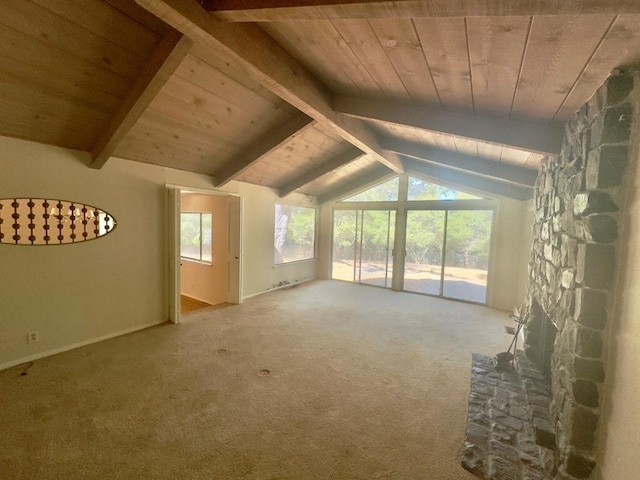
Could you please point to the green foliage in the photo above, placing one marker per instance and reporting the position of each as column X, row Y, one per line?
column 190, row 229
column 385, row 192
column 294, row 237
column 420, row 190
column 424, row 236
column 371, row 232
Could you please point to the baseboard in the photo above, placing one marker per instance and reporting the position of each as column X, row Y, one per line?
column 293, row 284
column 55, row 351
column 198, row 299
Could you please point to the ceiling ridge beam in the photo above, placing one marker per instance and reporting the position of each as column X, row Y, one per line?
column 477, row 165
column 520, row 134
column 467, row 179
column 256, row 54
column 369, row 179
column 265, row 145
column 289, row 10
column 165, row 59
column 334, row 163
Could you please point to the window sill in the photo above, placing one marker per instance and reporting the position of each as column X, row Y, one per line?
column 193, row 260
column 294, row 262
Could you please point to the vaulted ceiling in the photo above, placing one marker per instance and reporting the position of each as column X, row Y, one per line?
column 315, row 96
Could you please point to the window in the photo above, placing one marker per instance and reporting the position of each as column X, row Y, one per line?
column 195, row 236
column 418, row 189
column 295, row 232
column 385, row 192
column 446, row 239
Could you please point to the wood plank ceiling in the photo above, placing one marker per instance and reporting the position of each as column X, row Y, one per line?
column 310, row 96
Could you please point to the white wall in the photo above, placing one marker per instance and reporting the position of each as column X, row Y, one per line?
column 76, row 294
column 259, row 274
column 73, row 293
column 510, row 254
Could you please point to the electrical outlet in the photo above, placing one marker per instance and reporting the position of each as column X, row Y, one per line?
column 33, row 337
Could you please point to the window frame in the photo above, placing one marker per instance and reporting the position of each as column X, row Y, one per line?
column 193, row 259
column 314, row 249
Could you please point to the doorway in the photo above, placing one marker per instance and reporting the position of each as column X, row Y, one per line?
column 448, row 253
column 205, row 254
column 362, row 246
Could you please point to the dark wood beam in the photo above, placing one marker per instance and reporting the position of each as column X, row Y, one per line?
column 520, row 134
column 287, row 10
column 256, row 54
column 467, row 179
column 165, row 59
column 336, row 162
column 369, row 179
column 262, row 148
column 477, row 165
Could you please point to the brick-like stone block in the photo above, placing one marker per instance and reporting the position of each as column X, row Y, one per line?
column 596, row 104
column 593, row 202
column 582, row 426
column 578, row 465
column 567, row 278
column 588, row 342
column 588, row 369
column 590, row 307
column 474, row 459
column 595, row 265
column 606, row 166
column 612, row 126
column 618, row 88
column 585, row 393
column 544, row 432
column 599, row 228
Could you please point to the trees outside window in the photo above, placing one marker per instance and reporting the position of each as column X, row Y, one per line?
column 294, row 235
column 196, row 233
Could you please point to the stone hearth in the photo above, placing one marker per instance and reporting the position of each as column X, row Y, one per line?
column 509, row 432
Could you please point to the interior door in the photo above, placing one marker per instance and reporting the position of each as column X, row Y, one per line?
column 173, row 200
column 234, row 258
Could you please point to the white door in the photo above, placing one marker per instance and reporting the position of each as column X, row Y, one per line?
column 173, row 196
column 234, row 292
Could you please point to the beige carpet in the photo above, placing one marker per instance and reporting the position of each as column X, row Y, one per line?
column 324, row 381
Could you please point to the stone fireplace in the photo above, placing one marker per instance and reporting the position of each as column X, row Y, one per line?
column 541, row 335
column 572, row 267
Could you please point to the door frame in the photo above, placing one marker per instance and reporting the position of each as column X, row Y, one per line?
column 403, row 205
column 173, row 194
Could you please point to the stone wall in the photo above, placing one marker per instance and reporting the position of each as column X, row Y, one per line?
column 572, row 265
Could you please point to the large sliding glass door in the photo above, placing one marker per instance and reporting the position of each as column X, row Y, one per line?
column 443, row 239
column 362, row 246
column 466, row 264
column 448, row 253
column 423, row 260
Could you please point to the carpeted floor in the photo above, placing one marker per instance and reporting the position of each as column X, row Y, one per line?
column 328, row 380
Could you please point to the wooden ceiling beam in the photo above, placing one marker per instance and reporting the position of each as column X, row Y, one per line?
column 336, row 162
column 255, row 53
column 273, row 140
column 467, row 179
column 369, row 179
column 477, row 165
column 525, row 135
column 287, row 10
column 165, row 59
